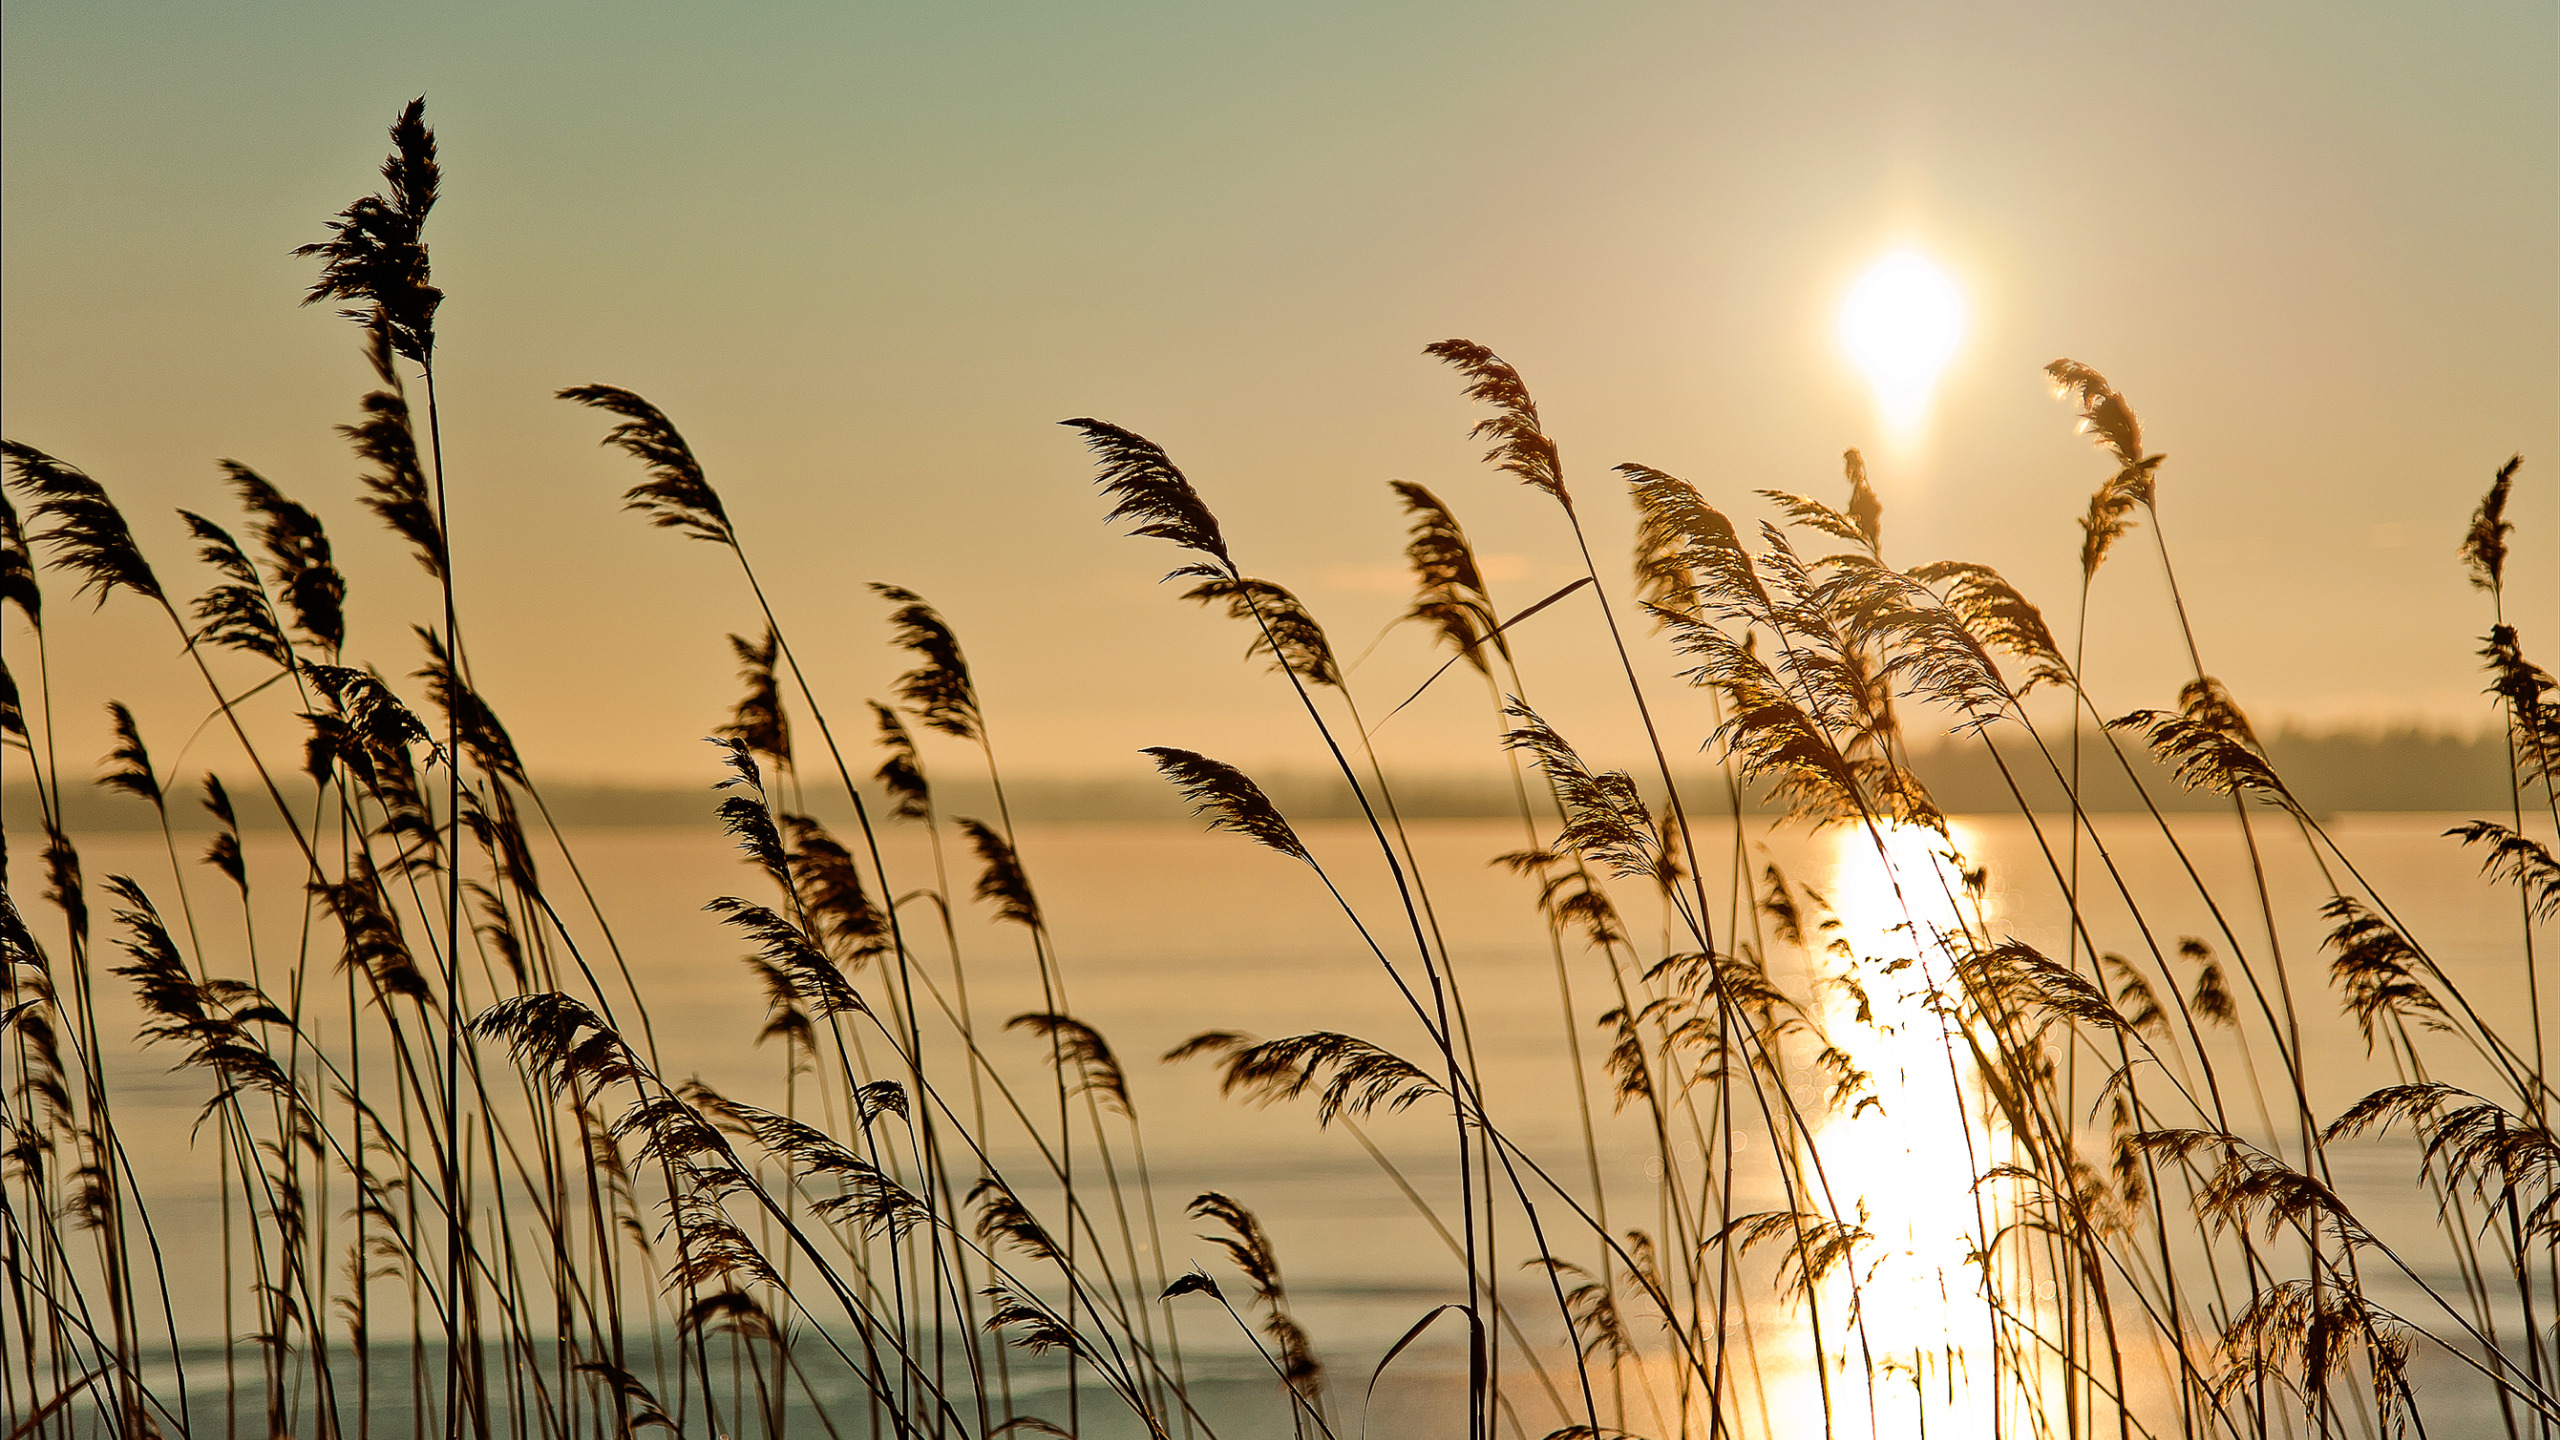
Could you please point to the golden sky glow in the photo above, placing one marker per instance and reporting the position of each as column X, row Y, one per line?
column 868, row 256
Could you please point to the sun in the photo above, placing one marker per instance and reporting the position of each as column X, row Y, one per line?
column 1901, row 323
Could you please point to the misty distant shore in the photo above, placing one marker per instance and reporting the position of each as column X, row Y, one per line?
column 2331, row 773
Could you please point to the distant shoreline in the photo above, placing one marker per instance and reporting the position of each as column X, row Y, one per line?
column 2330, row 773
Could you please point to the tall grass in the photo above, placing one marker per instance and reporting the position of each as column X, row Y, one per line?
column 1900, row 1168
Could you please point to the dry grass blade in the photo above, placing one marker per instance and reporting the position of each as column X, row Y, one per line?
column 63, row 885
column 2106, row 417
column 1926, row 646
column 223, row 852
column 2533, row 720
column 2015, row 974
column 2135, row 998
column 1864, row 506
column 636, row 1401
column 1862, row 526
column 1591, row 1312
column 2393, row 1104
column 1029, row 1325
column 1520, row 447
column 865, row 1195
column 748, row 815
column 1436, row 545
column 2504, row 1157
column 1003, row 1218
column 790, row 951
column 1145, row 485
column 372, row 940
column 733, row 1312
column 711, row 1249
column 1229, row 798
column 2248, row 1186
column 2210, row 703
column 1770, row 739
column 205, row 1017
column 2212, row 1001
column 676, row 496
column 1193, row 1282
column 368, row 704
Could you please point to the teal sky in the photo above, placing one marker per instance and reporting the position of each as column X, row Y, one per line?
column 866, row 256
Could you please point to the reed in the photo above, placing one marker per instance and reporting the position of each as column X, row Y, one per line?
column 460, row 1180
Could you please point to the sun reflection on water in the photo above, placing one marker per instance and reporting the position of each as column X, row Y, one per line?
column 1907, row 1328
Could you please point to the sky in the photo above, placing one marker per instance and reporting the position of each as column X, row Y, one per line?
column 866, row 256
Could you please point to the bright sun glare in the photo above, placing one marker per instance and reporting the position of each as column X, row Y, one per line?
column 1901, row 323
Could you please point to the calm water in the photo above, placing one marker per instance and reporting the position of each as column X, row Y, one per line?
column 1164, row 931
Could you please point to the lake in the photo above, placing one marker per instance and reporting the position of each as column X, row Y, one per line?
column 1163, row 931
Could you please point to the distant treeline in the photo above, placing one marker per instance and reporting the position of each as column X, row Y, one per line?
column 2331, row 772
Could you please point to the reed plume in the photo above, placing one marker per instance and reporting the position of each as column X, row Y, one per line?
column 235, row 614
column 1449, row 588
column 299, row 558
column 81, row 525
column 938, row 691
column 377, row 252
column 386, row 439
column 2110, row 422
column 758, row 722
column 1520, row 445
column 17, row 568
column 1146, row 486
column 901, row 771
column 1349, row 1075
column 1002, row 883
column 1250, row 1248
column 1229, row 798
column 675, row 496
column 1078, row 1048
column 1283, row 629
column 2484, row 545
column 2518, row 860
